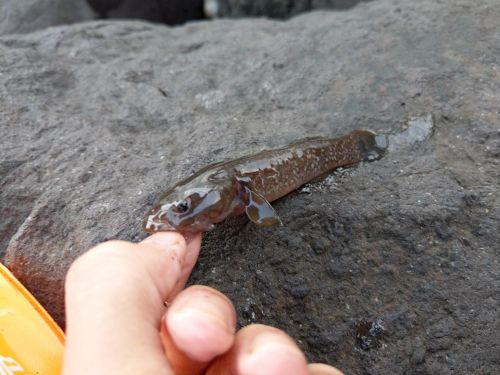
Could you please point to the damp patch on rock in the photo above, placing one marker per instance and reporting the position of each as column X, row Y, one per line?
column 418, row 129
column 369, row 334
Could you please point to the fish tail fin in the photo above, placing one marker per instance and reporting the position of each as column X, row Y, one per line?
column 373, row 146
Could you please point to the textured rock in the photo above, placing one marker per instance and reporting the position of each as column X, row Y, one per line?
column 21, row 16
column 391, row 267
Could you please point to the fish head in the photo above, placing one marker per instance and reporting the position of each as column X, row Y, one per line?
column 193, row 205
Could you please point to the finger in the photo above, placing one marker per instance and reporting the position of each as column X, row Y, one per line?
column 193, row 241
column 322, row 369
column 199, row 326
column 114, row 302
column 261, row 350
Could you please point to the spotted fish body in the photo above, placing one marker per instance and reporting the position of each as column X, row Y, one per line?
column 249, row 183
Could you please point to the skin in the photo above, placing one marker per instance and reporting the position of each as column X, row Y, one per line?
column 117, row 322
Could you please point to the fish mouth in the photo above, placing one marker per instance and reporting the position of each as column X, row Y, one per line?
column 152, row 224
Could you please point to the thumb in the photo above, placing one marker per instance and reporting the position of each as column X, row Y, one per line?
column 114, row 302
column 187, row 257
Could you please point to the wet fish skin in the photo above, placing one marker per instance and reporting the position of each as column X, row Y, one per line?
column 249, row 183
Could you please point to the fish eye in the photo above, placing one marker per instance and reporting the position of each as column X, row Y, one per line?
column 182, row 207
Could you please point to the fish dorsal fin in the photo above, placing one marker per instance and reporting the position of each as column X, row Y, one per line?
column 259, row 210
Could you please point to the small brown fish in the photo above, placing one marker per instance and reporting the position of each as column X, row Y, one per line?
column 249, row 183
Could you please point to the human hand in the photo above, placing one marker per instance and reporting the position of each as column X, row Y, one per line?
column 117, row 322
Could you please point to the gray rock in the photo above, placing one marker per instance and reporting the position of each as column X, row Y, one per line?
column 21, row 16
column 98, row 119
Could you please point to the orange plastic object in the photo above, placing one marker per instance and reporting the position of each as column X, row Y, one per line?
column 30, row 341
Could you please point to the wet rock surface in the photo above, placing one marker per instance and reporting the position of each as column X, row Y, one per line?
column 390, row 267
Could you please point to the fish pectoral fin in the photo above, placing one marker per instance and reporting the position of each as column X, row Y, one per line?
column 260, row 211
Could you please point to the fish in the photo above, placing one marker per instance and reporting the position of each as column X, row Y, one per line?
column 248, row 184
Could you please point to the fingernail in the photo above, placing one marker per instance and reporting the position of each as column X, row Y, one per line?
column 278, row 351
column 209, row 308
column 165, row 239
column 265, row 343
column 190, row 236
column 200, row 324
column 171, row 241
